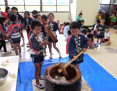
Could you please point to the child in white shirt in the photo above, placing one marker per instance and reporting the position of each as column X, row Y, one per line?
column 107, row 36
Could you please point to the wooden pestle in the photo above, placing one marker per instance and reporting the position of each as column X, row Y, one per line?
column 64, row 71
column 66, row 65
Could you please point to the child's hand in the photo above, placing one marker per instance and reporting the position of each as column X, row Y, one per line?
column 75, row 58
column 44, row 43
column 84, row 49
column 98, row 32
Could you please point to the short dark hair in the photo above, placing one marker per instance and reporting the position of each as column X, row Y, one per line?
column 85, row 27
column 50, row 14
column 84, row 31
column 27, row 13
column 90, row 36
column 35, row 12
column 98, row 21
column 35, row 16
column 14, row 8
column 2, row 19
column 67, row 23
column 6, row 9
column 35, row 23
column 89, row 30
column 82, row 21
column 106, row 27
column 80, row 14
column 13, row 17
column 69, row 32
column 103, row 18
column 8, row 14
column 44, row 17
column 74, row 25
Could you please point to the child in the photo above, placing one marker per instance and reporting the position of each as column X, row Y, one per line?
column 34, row 12
column 82, row 23
column 88, row 32
column 77, row 43
column 2, row 34
column 38, row 17
column 69, row 34
column 44, row 19
column 107, row 36
column 37, row 43
column 113, row 20
column 94, row 28
column 98, row 16
column 59, row 25
column 100, row 31
column 27, row 21
column 20, row 20
column 84, row 32
column 54, row 28
column 44, row 22
column 66, row 28
column 91, row 40
column 79, row 17
column 14, row 31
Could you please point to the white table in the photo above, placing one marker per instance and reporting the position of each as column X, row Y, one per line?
column 10, row 84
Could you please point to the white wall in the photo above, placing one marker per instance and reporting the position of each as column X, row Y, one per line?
column 89, row 9
column 58, row 16
column 73, row 10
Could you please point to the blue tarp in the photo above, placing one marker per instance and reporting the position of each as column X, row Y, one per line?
column 96, row 76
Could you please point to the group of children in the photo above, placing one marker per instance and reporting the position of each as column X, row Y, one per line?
column 78, row 36
column 113, row 18
column 37, row 27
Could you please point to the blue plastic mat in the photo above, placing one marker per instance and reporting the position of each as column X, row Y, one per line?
column 96, row 77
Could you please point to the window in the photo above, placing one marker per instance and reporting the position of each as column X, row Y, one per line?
column 48, row 5
column 29, row 6
column 2, row 5
column 39, row 5
column 104, row 1
column 17, row 3
column 62, row 5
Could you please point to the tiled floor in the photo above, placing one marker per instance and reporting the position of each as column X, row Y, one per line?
column 106, row 56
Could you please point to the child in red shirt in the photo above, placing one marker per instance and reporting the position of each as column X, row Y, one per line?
column 69, row 34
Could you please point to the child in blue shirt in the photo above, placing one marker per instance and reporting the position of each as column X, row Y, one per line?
column 37, row 43
column 77, row 43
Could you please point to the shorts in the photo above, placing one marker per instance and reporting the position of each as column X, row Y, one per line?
column 15, row 41
column 38, row 59
column 50, row 40
column 100, row 36
column 27, row 30
column 106, row 40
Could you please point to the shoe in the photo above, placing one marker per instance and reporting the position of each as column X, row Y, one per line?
column 27, row 44
column 51, row 53
column 60, row 57
column 50, row 57
column 19, row 54
column 39, row 85
column 12, row 48
column 41, row 77
column 22, row 45
column 7, row 52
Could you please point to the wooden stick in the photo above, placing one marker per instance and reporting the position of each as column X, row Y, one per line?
column 66, row 65
column 64, row 71
column 51, row 34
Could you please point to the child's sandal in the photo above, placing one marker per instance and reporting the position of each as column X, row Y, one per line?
column 39, row 85
column 41, row 77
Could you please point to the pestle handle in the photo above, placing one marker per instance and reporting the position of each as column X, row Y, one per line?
column 66, row 65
